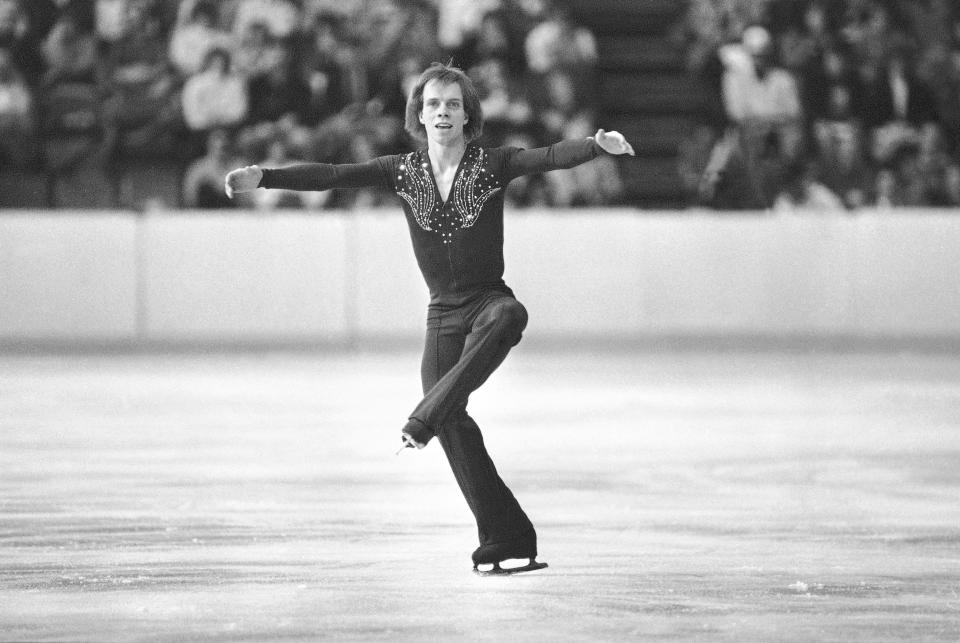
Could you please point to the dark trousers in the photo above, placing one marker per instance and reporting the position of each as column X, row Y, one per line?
column 464, row 345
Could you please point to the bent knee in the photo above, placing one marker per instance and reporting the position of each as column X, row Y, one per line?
column 512, row 315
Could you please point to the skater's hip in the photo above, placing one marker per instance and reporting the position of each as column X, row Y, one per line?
column 462, row 301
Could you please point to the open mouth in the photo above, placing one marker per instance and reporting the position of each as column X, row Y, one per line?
column 443, row 126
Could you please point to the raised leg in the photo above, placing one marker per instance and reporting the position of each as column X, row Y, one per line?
column 489, row 334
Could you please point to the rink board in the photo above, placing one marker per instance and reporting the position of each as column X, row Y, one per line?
column 337, row 278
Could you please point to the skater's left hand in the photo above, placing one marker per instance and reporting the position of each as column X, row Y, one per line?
column 613, row 142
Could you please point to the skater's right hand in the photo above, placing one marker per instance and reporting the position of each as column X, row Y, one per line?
column 243, row 179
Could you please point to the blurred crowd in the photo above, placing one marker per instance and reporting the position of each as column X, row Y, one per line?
column 214, row 84
column 825, row 104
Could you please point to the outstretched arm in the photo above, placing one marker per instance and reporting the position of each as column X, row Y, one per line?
column 565, row 154
column 310, row 176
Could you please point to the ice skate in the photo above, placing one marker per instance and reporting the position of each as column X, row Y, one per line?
column 408, row 443
column 495, row 568
column 415, row 435
column 488, row 559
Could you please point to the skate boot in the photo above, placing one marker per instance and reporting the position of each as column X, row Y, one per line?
column 415, row 434
column 490, row 556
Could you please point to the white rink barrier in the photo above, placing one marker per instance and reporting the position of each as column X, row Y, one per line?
column 343, row 277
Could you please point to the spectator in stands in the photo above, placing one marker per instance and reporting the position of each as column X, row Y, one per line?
column 899, row 181
column 18, row 139
column 829, row 69
column 506, row 108
column 278, row 92
column 332, row 69
column 559, row 43
column 396, row 34
column 952, row 184
column 893, row 93
column 493, row 39
column 947, row 90
column 886, row 190
column 909, row 169
column 759, row 94
column 138, row 49
column 873, row 32
column 840, row 153
column 762, row 101
column 197, row 32
column 346, row 9
column 555, row 101
column 391, row 86
column 831, row 93
column 17, row 37
column 805, row 40
column 803, row 191
column 898, row 108
column 383, row 130
column 216, row 97
column 279, row 18
column 935, row 167
column 407, row 74
column 203, row 179
column 71, row 50
column 72, row 124
column 258, row 53
column 111, row 22
column 143, row 110
column 954, row 21
column 43, row 14
column 704, row 36
column 712, row 24
column 457, row 22
column 693, row 156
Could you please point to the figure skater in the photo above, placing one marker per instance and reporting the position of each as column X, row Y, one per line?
column 452, row 193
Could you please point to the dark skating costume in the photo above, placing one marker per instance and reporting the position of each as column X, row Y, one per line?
column 473, row 319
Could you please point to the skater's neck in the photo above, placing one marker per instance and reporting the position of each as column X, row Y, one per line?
column 445, row 156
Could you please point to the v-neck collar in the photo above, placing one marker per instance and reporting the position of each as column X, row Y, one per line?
column 428, row 166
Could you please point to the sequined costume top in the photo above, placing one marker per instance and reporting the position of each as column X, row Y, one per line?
column 458, row 243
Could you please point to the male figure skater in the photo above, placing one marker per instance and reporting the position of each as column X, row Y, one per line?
column 452, row 195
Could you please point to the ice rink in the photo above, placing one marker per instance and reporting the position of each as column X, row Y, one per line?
column 678, row 495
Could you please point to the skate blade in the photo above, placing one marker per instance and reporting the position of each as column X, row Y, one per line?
column 408, row 443
column 497, row 570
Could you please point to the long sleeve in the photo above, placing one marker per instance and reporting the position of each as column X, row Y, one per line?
column 326, row 176
column 559, row 156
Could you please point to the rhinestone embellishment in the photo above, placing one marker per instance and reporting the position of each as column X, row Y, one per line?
column 472, row 188
column 417, row 191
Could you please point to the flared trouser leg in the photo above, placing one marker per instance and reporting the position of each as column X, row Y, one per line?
column 498, row 514
column 463, row 347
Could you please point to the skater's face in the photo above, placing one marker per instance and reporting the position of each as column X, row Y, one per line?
column 443, row 115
